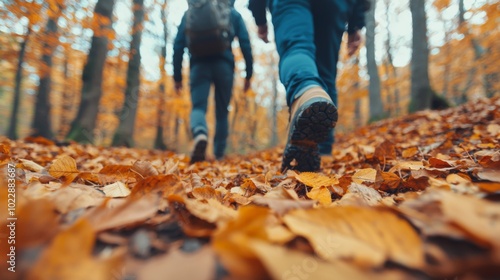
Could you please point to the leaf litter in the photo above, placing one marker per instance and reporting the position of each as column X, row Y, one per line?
column 415, row 197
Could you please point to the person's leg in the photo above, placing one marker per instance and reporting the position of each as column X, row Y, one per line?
column 294, row 32
column 312, row 113
column 329, row 19
column 223, row 82
column 200, row 80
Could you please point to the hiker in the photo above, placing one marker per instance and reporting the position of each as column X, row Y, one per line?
column 308, row 34
column 211, row 62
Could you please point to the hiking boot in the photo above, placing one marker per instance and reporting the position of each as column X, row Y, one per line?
column 200, row 145
column 311, row 117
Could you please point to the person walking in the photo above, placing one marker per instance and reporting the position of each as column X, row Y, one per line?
column 209, row 67
column 308, row 35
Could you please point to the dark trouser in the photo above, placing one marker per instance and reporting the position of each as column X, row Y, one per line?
column 308, row 36
column 203, row 74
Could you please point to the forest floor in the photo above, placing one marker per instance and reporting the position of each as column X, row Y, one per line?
column 416, row 197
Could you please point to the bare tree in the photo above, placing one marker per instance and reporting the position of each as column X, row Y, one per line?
column 376, row 106
column 159, row 143
column 82, row 127
column 125, row 132
column 41, row 125
column 421, row 91
column 12, row 131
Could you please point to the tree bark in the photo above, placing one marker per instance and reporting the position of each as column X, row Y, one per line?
column 82, row 127
column 159, row 143
column 421, row 91
column 42, row 125
column 391, row 69
column 12, row 131
column 376, row 106
column 125, row 132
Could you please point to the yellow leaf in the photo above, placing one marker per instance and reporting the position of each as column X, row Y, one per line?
column 316, row 180
column 64, row 166
column 410, row 152
column 321, row 194
column 117, row 189
column 367, row 236
column 365, row 175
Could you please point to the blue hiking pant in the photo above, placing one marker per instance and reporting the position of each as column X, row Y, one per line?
column 203, row 74
column 308, row 34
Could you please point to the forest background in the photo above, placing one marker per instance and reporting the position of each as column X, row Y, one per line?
column 116, row 55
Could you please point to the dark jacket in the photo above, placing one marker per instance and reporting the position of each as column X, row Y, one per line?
column 240, row 31
column 356, row 18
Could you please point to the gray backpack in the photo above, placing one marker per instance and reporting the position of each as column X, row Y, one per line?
column 208, row 27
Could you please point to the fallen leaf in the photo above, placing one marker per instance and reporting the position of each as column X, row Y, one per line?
column 179, row 265
column 366, row 236
column 321, row 194
column 144, row 168
column 489, row 175
column 117, row 213
column 69, row 256
column 365, row 175
column 30, row 165
column 64, row 166
column 410, row 152
column 117, row 189
column 316, row 180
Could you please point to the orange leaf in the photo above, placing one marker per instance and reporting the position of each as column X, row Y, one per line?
column 70, row 257
column 321, row 194
column 64, row 166
column 316, row 180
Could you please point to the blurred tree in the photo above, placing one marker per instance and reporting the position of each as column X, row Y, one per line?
column 421, row 91
column 159, row 143
column 82, row 127
column 41, row 125
column 376, row 106
column 124, row 135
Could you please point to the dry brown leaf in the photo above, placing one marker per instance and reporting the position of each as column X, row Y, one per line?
column 365, row 175
column 281, row 206
column 489, row 187
column 316, row 180
column 489, row 175
column 117, row 189
column 369, row 196
column 206, row 193
column 210, row 210
column 75, row 196
column 320, row 194
column 261, row 183
column 30, row 165
column 385, row 151
column 232, row 242
column 117, row 213
column 37, row 223
column 406, row 165
column 69, row 256
column 162, row 184
column 390, row 182
column 112, row 173
column 144, row 168
column 64, row 166
column 283, row 263
column 366, row 236
column 410, row 152
column 179, row 265
column 439, row 163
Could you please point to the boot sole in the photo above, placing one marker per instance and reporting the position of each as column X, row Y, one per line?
column 309, row 127
column 199, row 151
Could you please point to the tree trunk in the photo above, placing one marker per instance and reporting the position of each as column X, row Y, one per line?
column 12, row 131
column 41, row 125
column 421, row 91
column 392, row 71
column 159, row 143
column 376, row 106
column 82, row 127
column 125, row 132
column 67, row 99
